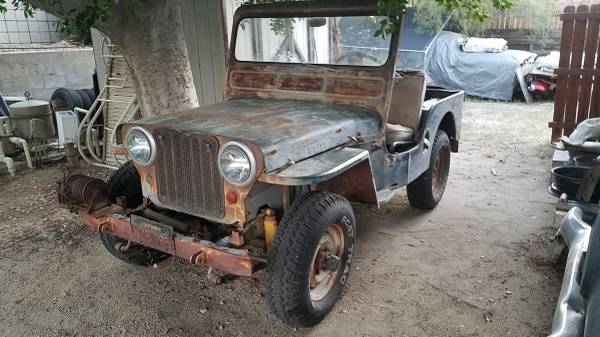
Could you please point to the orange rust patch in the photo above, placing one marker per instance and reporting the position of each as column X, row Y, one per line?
column 301, row 83
column 354, row 87
column 253, row 80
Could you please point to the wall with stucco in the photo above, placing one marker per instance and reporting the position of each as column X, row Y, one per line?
column 42, row 71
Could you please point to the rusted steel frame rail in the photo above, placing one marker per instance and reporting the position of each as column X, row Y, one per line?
column 201, row 253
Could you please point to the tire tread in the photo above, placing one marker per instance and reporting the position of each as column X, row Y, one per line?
column 294, row 237
column 420, row 194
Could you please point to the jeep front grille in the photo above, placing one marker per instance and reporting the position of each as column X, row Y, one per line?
column 188, row 179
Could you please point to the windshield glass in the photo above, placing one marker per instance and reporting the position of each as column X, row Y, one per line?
column 313, row 40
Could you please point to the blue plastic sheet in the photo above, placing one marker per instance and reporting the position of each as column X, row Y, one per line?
column 486, row 75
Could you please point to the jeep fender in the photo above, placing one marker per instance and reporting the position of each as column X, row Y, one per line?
column 346, row 171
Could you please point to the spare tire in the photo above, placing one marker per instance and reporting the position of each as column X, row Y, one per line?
column 66, row 99
column 87, row 101
column 126, row 182
column 91, row 93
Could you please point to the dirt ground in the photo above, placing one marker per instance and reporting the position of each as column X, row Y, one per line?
column 475, row 266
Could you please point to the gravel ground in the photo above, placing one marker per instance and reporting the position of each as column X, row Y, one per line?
column 475, row 266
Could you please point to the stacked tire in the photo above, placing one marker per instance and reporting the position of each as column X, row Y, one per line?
column 69, row 99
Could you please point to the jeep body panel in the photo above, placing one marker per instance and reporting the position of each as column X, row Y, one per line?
column 386, row 171
column 286, row 131
column 393, row 170
column 367, row 87
column 317, row 125
column 309, row 137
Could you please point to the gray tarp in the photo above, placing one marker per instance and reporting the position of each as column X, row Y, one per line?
column 486, row 75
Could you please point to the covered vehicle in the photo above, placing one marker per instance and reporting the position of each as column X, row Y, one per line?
column 486, row 75
column 265, row 179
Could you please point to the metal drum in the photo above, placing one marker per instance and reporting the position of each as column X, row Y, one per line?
column 33, row 119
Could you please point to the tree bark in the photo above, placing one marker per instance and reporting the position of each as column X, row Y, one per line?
column 150, row 36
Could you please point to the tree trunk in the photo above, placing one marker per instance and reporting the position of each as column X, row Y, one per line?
column 152, row 41
column 150, row 37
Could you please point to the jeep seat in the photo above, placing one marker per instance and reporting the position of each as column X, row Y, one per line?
column 405, row 111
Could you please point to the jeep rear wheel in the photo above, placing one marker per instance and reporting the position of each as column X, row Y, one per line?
column 310, row 259
column 427, row 190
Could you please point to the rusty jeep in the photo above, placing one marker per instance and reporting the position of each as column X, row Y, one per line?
column 265, row 180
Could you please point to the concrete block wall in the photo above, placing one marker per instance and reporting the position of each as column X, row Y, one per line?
column 15, row 28
column 42, row 71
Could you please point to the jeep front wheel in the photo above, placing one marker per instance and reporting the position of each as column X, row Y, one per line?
column 125, row 182
column 310, row 259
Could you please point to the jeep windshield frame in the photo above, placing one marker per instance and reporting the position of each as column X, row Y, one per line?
column 300, row 10
column 367, row 87
column 315, row 41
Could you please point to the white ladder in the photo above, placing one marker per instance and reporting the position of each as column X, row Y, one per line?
column 117, row 103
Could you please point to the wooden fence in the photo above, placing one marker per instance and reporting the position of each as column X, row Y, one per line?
column 578, row 87
column 507, row 20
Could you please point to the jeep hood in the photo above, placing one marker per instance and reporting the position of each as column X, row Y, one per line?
column 285, row 130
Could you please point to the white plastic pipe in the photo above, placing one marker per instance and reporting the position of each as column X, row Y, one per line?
column 10, row 164
column 23, row 144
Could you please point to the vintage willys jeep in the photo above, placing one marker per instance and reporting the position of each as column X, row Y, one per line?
column 310, row 122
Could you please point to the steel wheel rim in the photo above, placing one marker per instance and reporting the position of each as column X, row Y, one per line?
column 322, row 281
column 438, row 178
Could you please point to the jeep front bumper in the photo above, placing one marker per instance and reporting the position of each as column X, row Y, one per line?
column 161, row 237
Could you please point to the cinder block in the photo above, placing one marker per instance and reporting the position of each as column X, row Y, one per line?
column 36, row 37
column 41, row 15
column 45, row 37
column 20, row 15
column 23, row 27
column 10, row 15
column 12, row 26
column 13, row 37
column 34, row 26
column 24, row 38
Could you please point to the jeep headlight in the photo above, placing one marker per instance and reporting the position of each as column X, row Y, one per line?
column 237, row 164
column 140, row 145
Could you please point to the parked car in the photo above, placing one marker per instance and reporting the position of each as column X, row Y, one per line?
column 265, row 179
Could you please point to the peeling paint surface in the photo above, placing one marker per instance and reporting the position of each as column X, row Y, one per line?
column 285, row 130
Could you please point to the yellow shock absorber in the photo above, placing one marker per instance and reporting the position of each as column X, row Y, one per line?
column 270, row 227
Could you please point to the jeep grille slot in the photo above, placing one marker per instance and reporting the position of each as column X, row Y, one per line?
column 188, row 179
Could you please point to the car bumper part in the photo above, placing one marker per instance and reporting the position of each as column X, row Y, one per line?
column 569, row 317
column 161, row 237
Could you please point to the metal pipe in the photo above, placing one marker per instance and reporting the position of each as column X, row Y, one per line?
column 86, row 118
column 10, row 164
column 153, row 215
column 23, row 143
column 113, row 134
